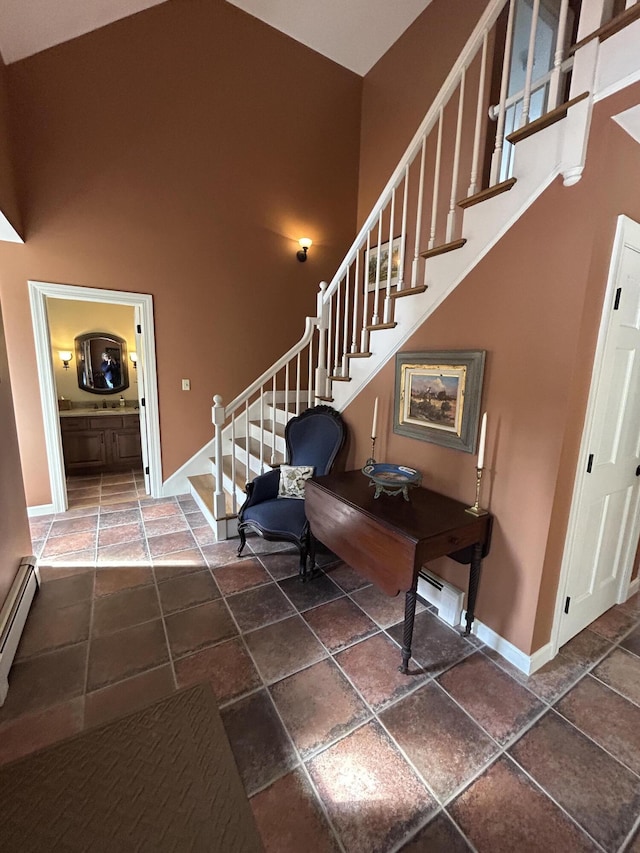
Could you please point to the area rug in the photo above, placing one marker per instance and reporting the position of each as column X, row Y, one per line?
column 162, row 779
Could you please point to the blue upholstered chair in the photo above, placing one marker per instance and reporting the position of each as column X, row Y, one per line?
column 312, row 438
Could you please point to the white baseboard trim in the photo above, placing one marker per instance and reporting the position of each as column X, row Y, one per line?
column 13, row 616
column 634, row 586
column 43, row 509
column 528, row 664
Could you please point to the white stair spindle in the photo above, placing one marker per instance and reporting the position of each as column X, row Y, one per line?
column 403, row 229
column 356, row 292
column 217, row 416
column 233, row 463
column 274, row 420
column 298, row 384
column 376, row 296
column 496, row 157
column 364, row 335
column 416, row 253
column 329, row 346
column 436, row 182
column 247, row 427
column 556, row 74
column 336, row 344
column 286, row 392
column 345, row 331
column 475, row 159
column 262, row 430
column 526, row 100
column 310, row 392
column 387, row 300
column 321, row 369
column 451, row 218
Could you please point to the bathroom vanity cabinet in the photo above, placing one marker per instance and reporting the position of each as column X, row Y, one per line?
column 100, row 443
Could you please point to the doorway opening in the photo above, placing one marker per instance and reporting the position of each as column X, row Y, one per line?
column 109, row 425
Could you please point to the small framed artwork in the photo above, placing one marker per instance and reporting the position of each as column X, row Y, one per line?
column 372, row 266
column 437, row 396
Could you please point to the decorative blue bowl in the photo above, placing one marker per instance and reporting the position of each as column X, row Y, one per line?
column 391, row 479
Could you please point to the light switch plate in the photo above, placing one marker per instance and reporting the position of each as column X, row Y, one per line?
column 186, row 385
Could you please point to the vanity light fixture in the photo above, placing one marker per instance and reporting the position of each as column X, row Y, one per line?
column 134, row 359
column 65, row 357
column 305, row 245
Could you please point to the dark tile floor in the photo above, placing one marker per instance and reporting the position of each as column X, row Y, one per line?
column 337, row 750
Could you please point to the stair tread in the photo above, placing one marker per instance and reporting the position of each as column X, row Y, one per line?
column 443, row 247
column 484, row 195
column 340, row 378
column 380, row 326
column 409, row 291
column 205, row 486
column 358, row 355
column 254, row 448
column 544, row 121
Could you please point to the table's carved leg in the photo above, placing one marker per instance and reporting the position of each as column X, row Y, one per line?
column 474, row 580
column 407, row 636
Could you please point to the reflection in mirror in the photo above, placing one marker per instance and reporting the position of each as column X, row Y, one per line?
column 102, row 363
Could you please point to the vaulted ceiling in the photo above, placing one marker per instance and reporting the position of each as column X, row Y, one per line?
column 353, row 33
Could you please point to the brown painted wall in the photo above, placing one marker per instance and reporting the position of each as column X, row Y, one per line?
column 533, row 303
column 399, row 89
column 8, row 194
column 15, row 538
column 181, row 152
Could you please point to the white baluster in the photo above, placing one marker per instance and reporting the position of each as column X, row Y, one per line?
column 286, row 392
column 345, row 330
column 526, row 100
column 387, row 299
column 217, row 417
column 451, row 218
column 376, row 296
column 356, row 293
column 233, row 463
column 274, row 419
column 310, row 390
column 336, row 347
column 321, row 369
column 403, row 230
column 416, row 253
column 364, row 334
column 262, row 429
column 329, row 343
column 436, row 182
column 247, row 427
column 506, row 64
column 556, row 74
column 475, row 159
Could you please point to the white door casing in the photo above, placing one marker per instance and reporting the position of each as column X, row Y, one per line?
column 604, row 523
column 139, row 371
column 143, row 305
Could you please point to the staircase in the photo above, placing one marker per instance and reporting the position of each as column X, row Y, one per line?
column 440, row 213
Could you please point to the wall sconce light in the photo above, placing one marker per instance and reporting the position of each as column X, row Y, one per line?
column 305, row 244
column 65, row 358
column 134, row 359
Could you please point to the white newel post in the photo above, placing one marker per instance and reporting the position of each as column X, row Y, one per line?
column 217, row 416
column 322, row 313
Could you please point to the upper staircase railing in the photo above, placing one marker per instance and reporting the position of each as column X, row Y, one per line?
column 459, row 155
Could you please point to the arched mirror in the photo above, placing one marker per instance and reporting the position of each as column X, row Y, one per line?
column 102, row 363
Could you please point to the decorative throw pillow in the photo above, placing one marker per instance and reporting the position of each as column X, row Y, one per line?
column 292, row 480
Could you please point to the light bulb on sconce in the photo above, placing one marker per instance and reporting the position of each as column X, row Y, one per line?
column 65, row 358
column 133, row 356
column 305, row 245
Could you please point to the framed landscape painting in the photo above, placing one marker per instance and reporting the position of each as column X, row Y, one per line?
column 437, row 396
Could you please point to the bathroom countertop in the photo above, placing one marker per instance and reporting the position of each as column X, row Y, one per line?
column 89, row 411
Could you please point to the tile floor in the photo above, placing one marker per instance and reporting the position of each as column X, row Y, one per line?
column 337, row 750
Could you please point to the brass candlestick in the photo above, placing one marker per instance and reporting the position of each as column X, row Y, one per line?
column 372, row 459
column 475, row 509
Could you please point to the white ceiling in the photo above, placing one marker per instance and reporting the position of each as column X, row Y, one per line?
column 354, row 33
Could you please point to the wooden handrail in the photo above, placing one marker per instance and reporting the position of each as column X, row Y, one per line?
column 610, row 28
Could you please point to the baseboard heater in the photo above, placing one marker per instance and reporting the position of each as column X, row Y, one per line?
column 448, row 599
column 13, row 617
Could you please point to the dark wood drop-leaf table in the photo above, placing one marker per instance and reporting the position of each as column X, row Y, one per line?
column 388, row 539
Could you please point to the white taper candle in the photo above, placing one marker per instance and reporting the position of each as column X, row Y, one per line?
column 375, row 419
column 483, row 438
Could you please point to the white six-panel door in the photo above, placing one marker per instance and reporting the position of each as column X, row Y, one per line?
column 605, row 523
